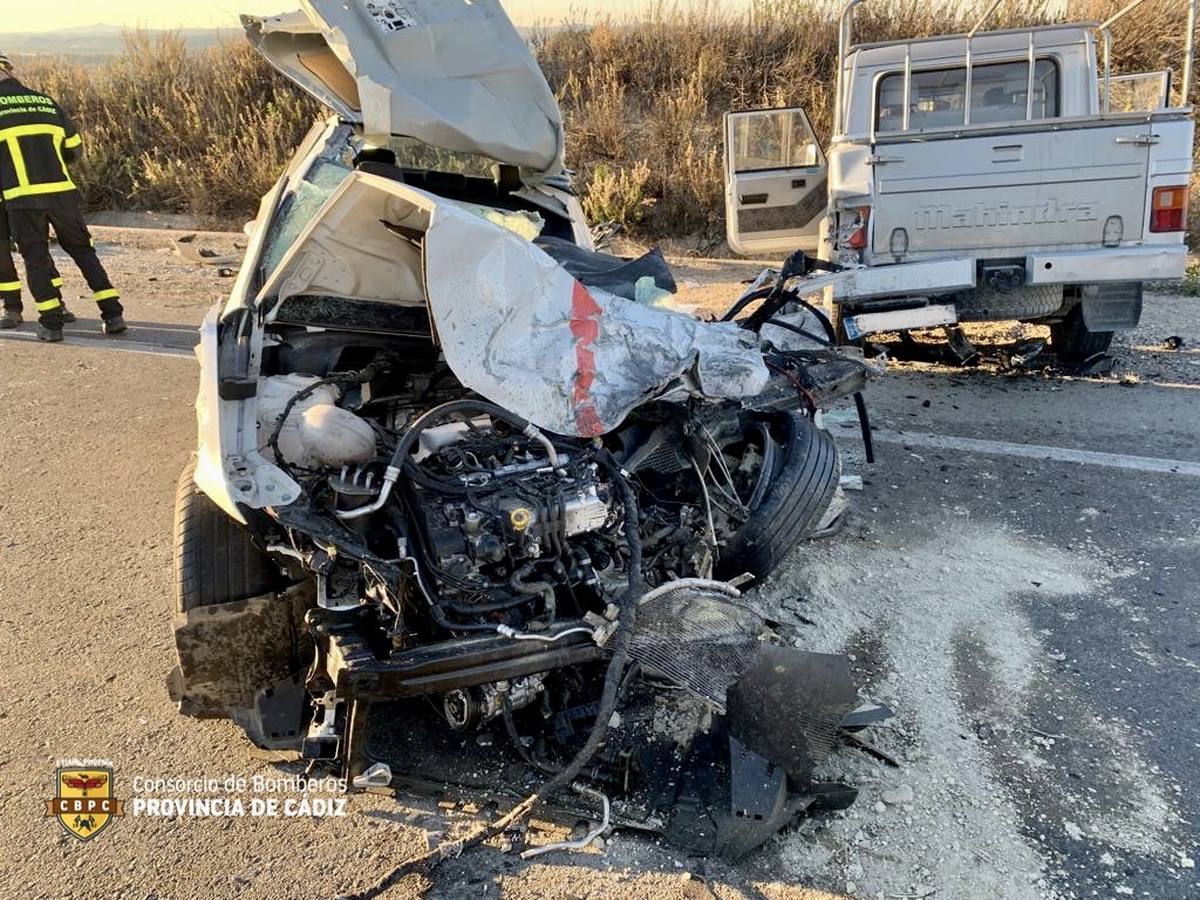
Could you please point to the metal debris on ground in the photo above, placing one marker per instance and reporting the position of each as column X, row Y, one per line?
column 187, row 247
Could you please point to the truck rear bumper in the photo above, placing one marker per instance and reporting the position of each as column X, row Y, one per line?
column 1149, row 263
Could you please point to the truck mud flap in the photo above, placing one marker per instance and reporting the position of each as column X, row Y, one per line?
column 1113, row 306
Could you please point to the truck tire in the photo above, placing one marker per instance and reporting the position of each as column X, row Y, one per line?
column 215, row 559
column 1072, row 340
column 987, row 304
column 803, row 488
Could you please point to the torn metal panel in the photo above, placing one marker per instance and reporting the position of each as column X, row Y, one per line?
column 457, row 76
column 514, row 325
column 519, row 329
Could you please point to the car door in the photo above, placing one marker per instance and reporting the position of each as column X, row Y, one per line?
column 776, row 182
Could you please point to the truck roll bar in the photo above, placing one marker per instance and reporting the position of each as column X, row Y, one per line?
column 1105, row 29
column 846, row 36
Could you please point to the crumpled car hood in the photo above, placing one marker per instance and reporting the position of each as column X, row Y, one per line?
column 456, row 75
column 513, row 324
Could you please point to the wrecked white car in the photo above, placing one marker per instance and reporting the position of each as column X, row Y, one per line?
column 454, row 467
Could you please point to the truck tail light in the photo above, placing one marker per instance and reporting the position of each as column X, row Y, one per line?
column 858, row 237
column 1168, row 209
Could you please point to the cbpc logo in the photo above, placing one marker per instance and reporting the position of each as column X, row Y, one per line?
column 83, row 797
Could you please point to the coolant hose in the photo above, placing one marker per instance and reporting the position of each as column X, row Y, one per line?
column 423, row 421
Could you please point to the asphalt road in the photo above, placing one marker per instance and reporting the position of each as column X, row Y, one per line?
column 1032, row 620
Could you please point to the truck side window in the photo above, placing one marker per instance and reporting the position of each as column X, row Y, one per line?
column 779, row 139
column 998, row 94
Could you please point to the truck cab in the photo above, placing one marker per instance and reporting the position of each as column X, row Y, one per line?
column 1017, row 153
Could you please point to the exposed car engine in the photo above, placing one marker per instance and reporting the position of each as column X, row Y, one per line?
column 446, row 550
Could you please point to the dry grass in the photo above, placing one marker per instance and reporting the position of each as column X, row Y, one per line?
column 169, row 130
column 207, row 133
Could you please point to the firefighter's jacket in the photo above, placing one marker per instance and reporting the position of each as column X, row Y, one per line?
column 37, row 141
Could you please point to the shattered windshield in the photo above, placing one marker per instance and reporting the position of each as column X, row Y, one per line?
column 331, row 168
column 415, row 154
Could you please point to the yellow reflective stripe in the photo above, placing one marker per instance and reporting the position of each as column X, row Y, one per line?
column 73, row 141
column 56, row 282
column 20, row 131
column 110, row 294
column 47, row 305
column 58, row 148
column 24, row 189
column 14, row 285
column 56, row 187
column 18, row 160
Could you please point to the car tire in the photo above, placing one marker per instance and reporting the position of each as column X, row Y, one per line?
column 1073, row 342
column 803, row 487
column 216, row 561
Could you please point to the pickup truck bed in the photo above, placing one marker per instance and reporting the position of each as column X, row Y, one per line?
column 1054, row 184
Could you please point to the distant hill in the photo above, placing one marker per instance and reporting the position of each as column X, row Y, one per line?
column 98, row 42
column 95, row 43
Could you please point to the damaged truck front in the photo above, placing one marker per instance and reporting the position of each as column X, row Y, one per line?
column 451, row 467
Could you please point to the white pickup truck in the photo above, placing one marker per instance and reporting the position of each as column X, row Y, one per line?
column 996, row 175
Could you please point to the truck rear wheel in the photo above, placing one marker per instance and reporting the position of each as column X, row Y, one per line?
column 1074, row 342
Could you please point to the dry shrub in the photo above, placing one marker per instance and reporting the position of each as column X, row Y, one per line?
column 618, row 195
column 678, row 69
column 172, row 130
column 643, row 100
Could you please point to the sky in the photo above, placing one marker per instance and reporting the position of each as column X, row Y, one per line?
column 21, row 17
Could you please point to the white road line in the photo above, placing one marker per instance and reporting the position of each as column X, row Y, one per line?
column 1031, row 451
column 126, row 346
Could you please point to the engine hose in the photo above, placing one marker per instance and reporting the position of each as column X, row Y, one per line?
column 864, row 422
column 439, row 618
column 613, row 682
column 400, row 457
column 769, row 309
column 510, row 726
column 745, row 301
column 413, row 434
column 543, row 589
column 796, row 329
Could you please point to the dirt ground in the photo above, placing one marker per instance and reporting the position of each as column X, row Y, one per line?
column 1030, row 616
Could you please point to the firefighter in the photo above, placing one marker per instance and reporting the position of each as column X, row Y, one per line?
column 10, row 284
column 37, row 141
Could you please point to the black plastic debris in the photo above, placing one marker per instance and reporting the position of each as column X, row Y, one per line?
column 1030, row 354
column 1096, row 364
column 964, row 353
column 789, row 706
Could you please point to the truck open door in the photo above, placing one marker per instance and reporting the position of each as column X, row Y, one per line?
column 775, row 182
